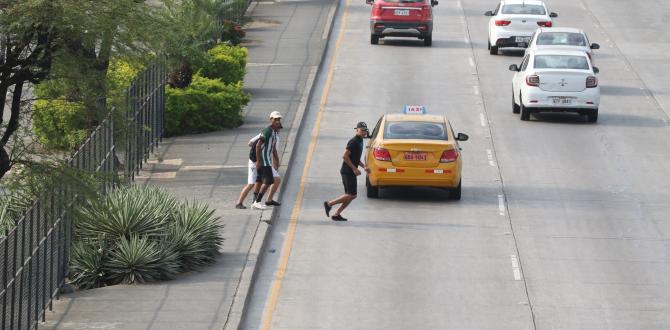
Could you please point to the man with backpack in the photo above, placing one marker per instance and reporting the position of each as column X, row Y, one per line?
column 254, row 179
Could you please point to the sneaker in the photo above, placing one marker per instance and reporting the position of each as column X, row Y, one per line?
column 327, row 208
column 338, row 217
column 240, row 206
column 258, row 206
column 272, row 203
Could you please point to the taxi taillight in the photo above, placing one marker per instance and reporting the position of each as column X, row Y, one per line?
column 449, row 156
column 381, row 154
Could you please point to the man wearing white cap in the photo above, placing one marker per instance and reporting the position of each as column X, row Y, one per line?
column 267, row 159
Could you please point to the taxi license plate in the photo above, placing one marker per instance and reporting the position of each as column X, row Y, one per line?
column 416, row 156
column 401, row 12
column 561, row 100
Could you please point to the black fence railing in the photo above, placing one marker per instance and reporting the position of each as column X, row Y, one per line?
column 34, row 254
column 233, row 11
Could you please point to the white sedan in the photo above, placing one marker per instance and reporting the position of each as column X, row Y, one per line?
column 563, row 38
column 555, row 80
column 513, row 22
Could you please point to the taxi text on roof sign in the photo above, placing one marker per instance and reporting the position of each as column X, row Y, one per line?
column 414, row 110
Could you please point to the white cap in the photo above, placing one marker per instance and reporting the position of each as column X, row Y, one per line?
column 275, row 114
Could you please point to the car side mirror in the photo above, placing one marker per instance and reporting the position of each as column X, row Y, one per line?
column 434, row 3
column 595, row 46
column 488, row 13
column 596, row 70
column 462, row 137
column 553, row 15
column 514, row 67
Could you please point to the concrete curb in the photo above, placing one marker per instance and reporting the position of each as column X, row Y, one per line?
column 263, row 232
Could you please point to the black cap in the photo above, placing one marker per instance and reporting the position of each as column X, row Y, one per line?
column 362, row 124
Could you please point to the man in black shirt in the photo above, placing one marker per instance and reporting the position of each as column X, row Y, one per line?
column 351, row 160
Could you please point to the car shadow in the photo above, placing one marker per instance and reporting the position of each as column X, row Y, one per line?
column 511, row 52
column 621, row 90
column 403, row 42
column 604, row 118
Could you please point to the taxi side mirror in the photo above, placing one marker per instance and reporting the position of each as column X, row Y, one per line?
column 514, row 67
column 488, row 13
column 462, row 137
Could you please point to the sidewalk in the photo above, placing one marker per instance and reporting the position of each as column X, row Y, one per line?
column 286, row 41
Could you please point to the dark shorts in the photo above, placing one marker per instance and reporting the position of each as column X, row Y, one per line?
column 350, row 184
column 265, row 175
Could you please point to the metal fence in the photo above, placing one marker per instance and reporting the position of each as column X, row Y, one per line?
column 34, row 255
column 233, row 11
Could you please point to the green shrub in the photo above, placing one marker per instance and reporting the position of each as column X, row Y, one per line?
column 59, row 124
column 141, row 234
column 225, row 62
column 232, row 32
column 61, row 120
column 204, row 106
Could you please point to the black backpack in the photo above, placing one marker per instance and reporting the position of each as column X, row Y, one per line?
column 252, row 152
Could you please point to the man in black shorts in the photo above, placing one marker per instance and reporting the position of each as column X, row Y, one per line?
column 351, row 160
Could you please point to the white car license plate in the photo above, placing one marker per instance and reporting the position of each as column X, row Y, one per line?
column 401, row 12
column 522, row 39
column 561, row 100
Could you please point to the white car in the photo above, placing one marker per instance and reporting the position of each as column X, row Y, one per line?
column 555, row 80
column 563, row 38
column 513, row 22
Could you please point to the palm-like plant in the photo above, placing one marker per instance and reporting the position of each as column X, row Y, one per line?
column 195, row 233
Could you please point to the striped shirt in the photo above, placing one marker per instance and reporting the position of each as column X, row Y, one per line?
column 269, row 137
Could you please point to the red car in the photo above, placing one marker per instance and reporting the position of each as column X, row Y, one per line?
column 402, row 18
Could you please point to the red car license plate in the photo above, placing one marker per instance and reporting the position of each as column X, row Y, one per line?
column 415, row 156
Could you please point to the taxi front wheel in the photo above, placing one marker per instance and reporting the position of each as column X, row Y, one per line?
column 373, row 192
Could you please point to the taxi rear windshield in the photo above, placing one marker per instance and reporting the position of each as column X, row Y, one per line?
column 404, row 130
column 561, row 62
column 523, row 9
column 561, row 38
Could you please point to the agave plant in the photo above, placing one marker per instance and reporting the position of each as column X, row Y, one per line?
column 135, row 210
column 195, row 233
column 138, row 260
column 86, row 264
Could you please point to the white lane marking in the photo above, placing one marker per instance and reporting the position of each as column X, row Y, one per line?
column 267, row 64
column 174, row 162
column 331, row 15
column 475, row 89
column 467, row 40
column 489, row 154
column 501, row 204
column 472, row 62
column 155, row 175
column 515, row 267
column 210, row 167
column 459, row 4
column 482, row 119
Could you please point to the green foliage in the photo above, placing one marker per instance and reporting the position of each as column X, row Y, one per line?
column 204, row 106
column 141, row 234
column 232, row 32
column 226, row 62
column 59, row 124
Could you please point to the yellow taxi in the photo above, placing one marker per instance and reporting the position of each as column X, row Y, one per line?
column 414, row 149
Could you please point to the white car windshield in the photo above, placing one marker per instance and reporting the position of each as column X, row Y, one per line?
column 415, row 130
column 561, row 38
column 561, row 62
column 523, row 9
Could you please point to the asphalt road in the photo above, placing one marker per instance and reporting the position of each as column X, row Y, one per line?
column 562, row 225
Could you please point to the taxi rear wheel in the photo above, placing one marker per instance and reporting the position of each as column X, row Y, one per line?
column 373, row 192
column 456, row 192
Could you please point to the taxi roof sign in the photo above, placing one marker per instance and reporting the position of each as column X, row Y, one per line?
column 414, row 110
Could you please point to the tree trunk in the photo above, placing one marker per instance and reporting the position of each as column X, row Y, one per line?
column 12, row 126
